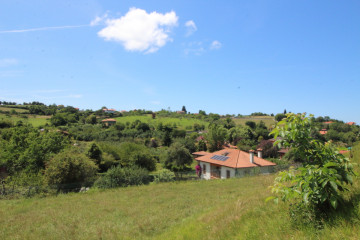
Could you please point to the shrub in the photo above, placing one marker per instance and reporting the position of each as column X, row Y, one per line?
column 164, row 175
column 123, row 177
column 317, row 185
column 70, row 167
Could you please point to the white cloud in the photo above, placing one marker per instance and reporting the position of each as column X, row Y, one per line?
column 191, row 27
column 139, row 30
column 6, row 62
column 215, row 45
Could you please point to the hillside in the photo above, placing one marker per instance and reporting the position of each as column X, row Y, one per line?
column 220, row 209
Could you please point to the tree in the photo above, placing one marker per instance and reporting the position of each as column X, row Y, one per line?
column 250, row 124
column 95, row 153
column 69, row 167
column 316, row 186
column 216, row 137
column 184, row 109
column 178, row 158
column 279, row 117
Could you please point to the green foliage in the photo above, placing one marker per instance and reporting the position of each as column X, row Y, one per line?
column 128, row 154
column 250, row 124
column 123, row 177
column 69, row 167
column 164, row 175
column 317, row 185
column 279, row 117
column 95, row 153
column 216, row 137
column 24, row 148
column 178, row 158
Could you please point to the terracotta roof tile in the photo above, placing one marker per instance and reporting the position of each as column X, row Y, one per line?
column 236, row 159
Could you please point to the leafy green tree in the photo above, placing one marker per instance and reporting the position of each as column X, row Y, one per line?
column 69, row 167
column 95, row 153
column 91, row 119
column 184, row 109
column 316, row 186
column 250, row 124
column 178, row 158
column 279, row 117
column 216, row 137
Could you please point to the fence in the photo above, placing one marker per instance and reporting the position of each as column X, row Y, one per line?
column 12, row 190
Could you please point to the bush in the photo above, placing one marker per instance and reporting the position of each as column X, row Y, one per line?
column 70, row 167
column 164, row 175
column 123, row 177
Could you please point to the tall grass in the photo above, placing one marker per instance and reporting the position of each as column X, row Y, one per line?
column 216, row 209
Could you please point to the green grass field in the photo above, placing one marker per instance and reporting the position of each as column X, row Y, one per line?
column 34, row 120
column 19, row 110
column 269, row 121
column 181, row 123
column 217, row 209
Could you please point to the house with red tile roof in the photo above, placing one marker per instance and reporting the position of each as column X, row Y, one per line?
column 350, row 123
column 108, row 122
column 111, row 110
column 229, row 162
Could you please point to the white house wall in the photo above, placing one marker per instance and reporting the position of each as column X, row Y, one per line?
column 205, row 165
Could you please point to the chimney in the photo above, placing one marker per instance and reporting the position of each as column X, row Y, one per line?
column 259, row 152
column 251, row 152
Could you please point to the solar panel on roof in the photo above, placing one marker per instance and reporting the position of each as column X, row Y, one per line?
column 219, row 157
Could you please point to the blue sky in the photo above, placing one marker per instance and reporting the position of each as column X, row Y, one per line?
column 219, row 56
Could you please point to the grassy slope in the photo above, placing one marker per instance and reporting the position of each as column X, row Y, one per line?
column 268, row 120
column 35, row 120
column 221, row 209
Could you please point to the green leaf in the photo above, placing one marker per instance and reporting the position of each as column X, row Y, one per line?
column 334, row 202
column 334, row 185
column 269, row 198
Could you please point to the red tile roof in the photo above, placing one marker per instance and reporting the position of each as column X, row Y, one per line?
column 201, row 153
column 236, row 159
column 328, row 122
column 323, row 131
column 350, row 123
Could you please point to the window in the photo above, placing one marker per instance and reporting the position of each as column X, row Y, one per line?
column 227, row 173
column 204, row 169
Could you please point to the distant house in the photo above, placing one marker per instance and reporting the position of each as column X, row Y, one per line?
column 228, row 163
column 108, row 122
column 180, row 112
column 282, row 152
column 329, row 122
column 105, row 110
column 350, row 123
column 323, row 131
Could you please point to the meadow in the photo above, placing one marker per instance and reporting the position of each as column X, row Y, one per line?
column 215, row 209
column 35, row 120
column 268, row 120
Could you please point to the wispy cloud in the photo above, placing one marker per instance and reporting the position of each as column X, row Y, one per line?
column 98, row 20
column 215, row 45
column 191, row 27
column 44, row 29
column 6, row 62
column 140, row 31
